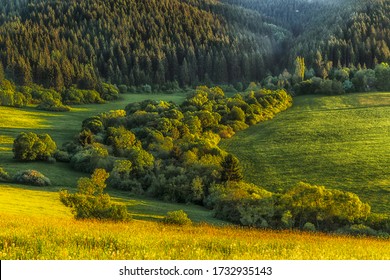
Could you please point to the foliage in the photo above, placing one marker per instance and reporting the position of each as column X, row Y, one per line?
column 323, row 207
column 4, row 176
column 230, row 169
column 89, row 202
column 196, row 41
column 177, row 218
column 30, row 146
column 31, row 177
column 92, row 157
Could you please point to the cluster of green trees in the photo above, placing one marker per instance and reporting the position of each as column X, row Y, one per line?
column 303, row 206
column 62, row 43
column 328, row 34
column 90, row 201
column 166, row 150
column 353, row 34
column 333, row 80
column 49, row 99
column 171, row 152
column 31, row 146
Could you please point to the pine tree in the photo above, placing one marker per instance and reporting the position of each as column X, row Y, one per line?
column 231, row 170
column 1, row 72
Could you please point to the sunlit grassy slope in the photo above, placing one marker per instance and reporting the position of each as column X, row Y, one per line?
column 44, row 202
column 341, row 142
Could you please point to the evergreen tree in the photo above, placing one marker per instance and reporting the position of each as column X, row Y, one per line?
column 231, row 170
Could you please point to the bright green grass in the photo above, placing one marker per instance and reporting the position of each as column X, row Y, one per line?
column 44, row 202
column 341, row 142
column 31, row 201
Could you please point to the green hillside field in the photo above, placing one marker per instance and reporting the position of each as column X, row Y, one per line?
column 35, row 225
column 341, row 142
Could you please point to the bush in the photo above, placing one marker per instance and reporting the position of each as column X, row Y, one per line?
column 31, row 177
column 177, row 218
column 309, row 227
column 122, row 88
column 358, row 229
column 53, row 106
column 4, row 177
column 30, row 146
column 62, row 156
column 89, row 202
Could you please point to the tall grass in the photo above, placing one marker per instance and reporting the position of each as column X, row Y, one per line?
column 64, row 238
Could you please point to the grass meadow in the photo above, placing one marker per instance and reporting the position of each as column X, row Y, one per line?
column 46, row 237
column 341, row 142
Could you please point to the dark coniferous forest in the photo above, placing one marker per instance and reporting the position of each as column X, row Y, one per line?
column 61, row 43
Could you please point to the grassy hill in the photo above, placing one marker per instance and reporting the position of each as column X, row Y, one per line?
column 342, row 142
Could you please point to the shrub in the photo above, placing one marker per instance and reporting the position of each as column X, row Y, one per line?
column 62, row 156
column 358, row 229
column 146, row 88
column 89, row 202
column 309, row 227
column 4, row 177
column 177, row 218
column 109, row 91
column 122, row 88
column 30, row 146
column 31, row 177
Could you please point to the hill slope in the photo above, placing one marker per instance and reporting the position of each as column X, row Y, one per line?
column 341, row 142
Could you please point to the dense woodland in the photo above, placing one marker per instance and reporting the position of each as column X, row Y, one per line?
column 88, row 45
column 344, row 33
column 132, row 42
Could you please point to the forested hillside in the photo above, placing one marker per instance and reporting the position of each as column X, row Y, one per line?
column 174, row 43
column 60, row 43
column 336, row 33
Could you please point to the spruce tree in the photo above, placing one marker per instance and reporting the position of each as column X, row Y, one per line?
column 231, row 170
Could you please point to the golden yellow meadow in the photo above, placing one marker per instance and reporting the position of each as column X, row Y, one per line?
column 65, row 238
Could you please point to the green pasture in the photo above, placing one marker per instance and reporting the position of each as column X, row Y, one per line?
column 342, row 142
